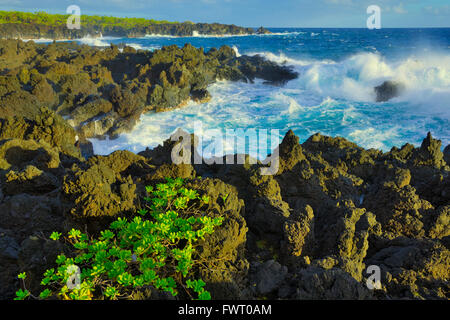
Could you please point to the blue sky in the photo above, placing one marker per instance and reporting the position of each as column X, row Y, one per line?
column 254, row 13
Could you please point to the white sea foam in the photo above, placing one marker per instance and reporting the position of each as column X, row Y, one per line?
column 374, row 138
column 236, row 50
column 426, row 78
column 155, row 35
column 289, row 105
column 89, row 40
column 103, row 41
column 281, row 33
column 138, row 46
column 331, row 97
column 282, row 58
column 41, row 40
column 196, row 34
column 97, row 41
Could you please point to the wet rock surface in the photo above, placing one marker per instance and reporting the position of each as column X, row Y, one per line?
column 388, row 90
column 262, row 30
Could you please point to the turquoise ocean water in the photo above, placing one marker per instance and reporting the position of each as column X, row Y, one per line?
column 338, row 69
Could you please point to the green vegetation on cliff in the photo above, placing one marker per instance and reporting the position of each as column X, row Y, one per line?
column 44, row 18
column 17, row 24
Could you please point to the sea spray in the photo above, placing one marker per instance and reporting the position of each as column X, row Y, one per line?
column 334, row 93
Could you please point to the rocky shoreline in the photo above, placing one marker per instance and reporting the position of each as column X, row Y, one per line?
column 103, row 92
column 309, row 232
column 40, row 31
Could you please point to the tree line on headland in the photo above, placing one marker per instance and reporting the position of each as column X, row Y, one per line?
column 45, row 18
column 16, row 24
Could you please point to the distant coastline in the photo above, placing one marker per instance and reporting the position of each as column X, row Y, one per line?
column 23, row 25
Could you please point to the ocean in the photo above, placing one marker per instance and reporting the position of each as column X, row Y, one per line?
column 333, row 95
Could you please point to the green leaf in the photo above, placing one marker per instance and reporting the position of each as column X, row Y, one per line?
column 205, row 199
column 125, row 279
column 49, row 272
column 138, row 282
column 119, row 224
column 74, row 234
column 55, row 236
column 149, row 276
column 45, row 294
column 45, row 281
column 22, row 294
column 81, row 245
column 111, row 292
column 106, row 235
column 22, row 275
column 143, row 212
column 205, row 295
column 125, row 255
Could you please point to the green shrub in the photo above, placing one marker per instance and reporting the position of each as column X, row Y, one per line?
column 154, row 248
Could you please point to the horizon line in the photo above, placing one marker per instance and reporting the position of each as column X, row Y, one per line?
column 225, row 23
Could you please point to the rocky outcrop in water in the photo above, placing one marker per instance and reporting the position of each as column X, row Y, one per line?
column 388, row 90
column 309, row 232
column 262, row 30
column 103, row 92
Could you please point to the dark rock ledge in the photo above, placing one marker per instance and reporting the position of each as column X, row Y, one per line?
column 308, row 232
column 388, row 90
column 103, row 92
column 61, row 32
